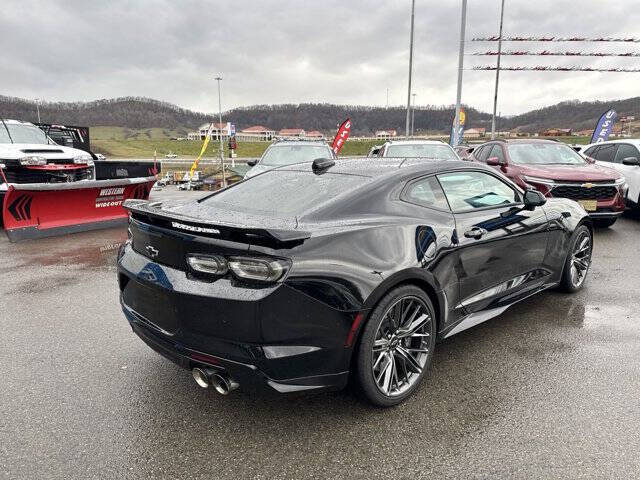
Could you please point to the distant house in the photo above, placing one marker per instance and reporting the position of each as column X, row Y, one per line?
column 292, row 132
column 556, row 132
column 219, row 130
column 386, row 134
column 474, row 133
column 314, row 134
column 257, row 133
column 584, row 133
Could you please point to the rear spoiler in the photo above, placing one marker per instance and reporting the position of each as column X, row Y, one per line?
column 207, row 227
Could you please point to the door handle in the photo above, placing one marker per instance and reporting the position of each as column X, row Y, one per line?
column 475, row 232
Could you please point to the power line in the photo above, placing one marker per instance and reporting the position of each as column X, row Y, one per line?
column 545, row 53
column 557, row 69
column 495, row 38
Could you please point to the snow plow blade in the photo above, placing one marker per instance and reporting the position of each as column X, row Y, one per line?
column 35, row 210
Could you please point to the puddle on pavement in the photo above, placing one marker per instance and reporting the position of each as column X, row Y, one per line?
column 95, row 249
column 610, row 316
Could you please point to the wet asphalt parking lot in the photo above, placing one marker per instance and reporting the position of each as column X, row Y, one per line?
column 550, row 389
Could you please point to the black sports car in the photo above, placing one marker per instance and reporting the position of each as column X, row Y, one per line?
column 310, row 274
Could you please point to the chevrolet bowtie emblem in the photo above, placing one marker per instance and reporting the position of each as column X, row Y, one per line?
column 152, row 252
column 587, row 185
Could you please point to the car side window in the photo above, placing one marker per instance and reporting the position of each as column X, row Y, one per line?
column 426, row 192
column 497, row 151
column 484, row 153
column 592, row 152
column 467, row 190
column 606, row 153
column 626, row 150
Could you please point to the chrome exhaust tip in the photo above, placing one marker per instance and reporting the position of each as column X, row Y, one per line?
column 201, row 377
column 223, row 384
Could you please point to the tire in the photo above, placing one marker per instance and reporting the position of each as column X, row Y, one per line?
column 604, row 222
column 385, row 344
column 578, row 261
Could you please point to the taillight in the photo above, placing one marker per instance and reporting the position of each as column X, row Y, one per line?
column 209, row 264
column 255, row 269
column 259, row 269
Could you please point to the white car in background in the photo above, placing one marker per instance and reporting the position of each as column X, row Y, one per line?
column 623, row 156
column 417, row 149
column 288, row 152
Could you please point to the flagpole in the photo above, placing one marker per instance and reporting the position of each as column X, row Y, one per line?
column 495, row 94
column 456, row 124
column 413, row 6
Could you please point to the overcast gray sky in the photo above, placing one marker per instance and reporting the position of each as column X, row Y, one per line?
column 346, row 52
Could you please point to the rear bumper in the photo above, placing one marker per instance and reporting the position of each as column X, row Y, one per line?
column 248, row 375
column 606, row 214
column 276, row 338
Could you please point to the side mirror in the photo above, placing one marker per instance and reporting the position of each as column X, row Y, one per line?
column 590, row 159
column 631, row 161
column 533, row 199
column 252, row 163
column 495, row 162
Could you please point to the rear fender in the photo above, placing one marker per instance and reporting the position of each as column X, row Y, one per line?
column 417, row 276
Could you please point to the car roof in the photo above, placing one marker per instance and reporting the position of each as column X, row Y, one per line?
column 10, row 121
column 315, row 143
column 524, row 140
column 416, row 142
column 635, row 141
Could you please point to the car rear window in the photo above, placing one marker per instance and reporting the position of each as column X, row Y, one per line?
column 279, row 155
column 285, row 192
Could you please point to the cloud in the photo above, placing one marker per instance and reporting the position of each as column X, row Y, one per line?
column 291, row 51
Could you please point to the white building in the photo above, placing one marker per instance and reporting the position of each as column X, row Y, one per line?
column 386, row 134
column 218, row 130
column 257, row 133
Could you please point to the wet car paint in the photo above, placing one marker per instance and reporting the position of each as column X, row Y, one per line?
column 358, row 248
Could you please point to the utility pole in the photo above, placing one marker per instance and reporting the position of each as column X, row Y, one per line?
column 495, row 94
column 413, row 113
column 224, row 180
column 413, row 7
column 456, row 123
column 38, row 108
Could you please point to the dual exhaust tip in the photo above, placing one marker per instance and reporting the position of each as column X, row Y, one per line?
column 221, row 382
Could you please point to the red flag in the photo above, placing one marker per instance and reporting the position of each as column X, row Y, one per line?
column 341, row 136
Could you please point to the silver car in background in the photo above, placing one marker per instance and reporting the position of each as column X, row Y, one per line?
column 417, row 149
column 288, row 152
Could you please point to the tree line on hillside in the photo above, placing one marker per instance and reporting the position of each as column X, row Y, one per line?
column 140, row 112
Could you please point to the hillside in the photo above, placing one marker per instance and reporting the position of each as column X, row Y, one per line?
column 146, row 118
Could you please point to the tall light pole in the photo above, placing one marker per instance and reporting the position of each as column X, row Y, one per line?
column 413, row 113
column 413, row 7
column 495, row 94
column 456, row 123
column 38, row 108
column 224, row 180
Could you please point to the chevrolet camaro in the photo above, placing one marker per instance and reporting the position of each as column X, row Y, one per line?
column 309, row 276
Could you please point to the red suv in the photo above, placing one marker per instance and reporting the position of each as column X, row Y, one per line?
column 556, row 170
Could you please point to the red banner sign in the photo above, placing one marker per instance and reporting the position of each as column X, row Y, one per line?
column 341, row 136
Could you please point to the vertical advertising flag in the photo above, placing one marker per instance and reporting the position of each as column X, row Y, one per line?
column 604, row 126
column 202, row 150
column 455, row 138
column 341, row 136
